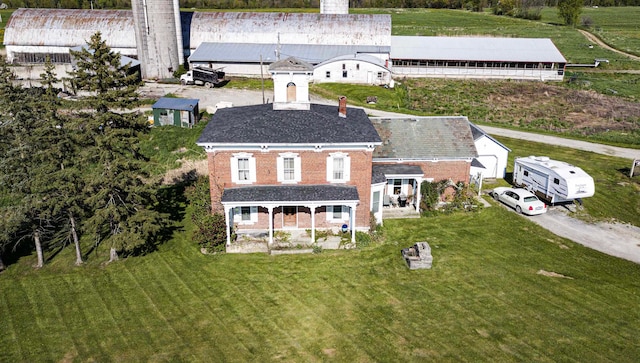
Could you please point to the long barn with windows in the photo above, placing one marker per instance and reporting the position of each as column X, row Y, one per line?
column 477, row 57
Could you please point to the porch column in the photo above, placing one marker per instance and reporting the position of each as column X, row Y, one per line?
column 313, row 223
column 353, row 223
column 270, row 208
column 418, row 194
column 227, row 220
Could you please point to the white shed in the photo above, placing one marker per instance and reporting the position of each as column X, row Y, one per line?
column 491, row 154
column 353, row 68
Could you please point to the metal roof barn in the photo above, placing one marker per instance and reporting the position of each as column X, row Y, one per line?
column 475, row 49
column 250, row 53
column 69, row 28
column 290, row 28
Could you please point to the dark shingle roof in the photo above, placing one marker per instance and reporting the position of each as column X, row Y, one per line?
column 261, row 124
column 424, row 138
column 290, row 193
column 184, row 104
column 397, row 169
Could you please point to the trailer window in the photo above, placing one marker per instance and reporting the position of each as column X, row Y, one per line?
column 556, row 181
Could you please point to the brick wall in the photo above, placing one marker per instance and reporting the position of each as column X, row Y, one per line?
column 314, row 171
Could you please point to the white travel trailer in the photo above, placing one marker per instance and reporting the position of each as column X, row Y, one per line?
column 552, row 180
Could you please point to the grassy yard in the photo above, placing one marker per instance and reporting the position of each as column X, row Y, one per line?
column 483, row 300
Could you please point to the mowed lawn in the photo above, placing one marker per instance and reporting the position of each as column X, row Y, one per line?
column 483, row 300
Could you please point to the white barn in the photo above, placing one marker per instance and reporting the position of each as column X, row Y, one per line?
column 492, row 154
column 354, row 68
column 477, row 57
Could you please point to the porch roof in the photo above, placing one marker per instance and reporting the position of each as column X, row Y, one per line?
column 397, row 169
column 290, row 193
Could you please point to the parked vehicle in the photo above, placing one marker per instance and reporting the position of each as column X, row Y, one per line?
column 202, row 76
column 552, row 180
column 522, row 200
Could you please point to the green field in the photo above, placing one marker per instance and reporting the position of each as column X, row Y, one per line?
column 485, row 299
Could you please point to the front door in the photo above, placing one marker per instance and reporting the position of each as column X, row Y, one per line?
column 289, row 217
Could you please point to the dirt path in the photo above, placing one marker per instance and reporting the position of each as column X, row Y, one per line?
column 594, row 39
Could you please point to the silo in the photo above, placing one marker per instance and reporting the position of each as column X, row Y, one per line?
column 334, row 6
column 156, row 27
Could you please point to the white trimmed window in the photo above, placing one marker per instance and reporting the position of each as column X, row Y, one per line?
column 245, row 215
column 338, row 168
column 289, row 168
column 243, row 168
column 337, row 213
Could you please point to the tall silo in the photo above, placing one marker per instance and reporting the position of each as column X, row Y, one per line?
column 157, row 28
column 334, row 6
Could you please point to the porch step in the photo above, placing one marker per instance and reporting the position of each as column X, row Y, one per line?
column 398, row 213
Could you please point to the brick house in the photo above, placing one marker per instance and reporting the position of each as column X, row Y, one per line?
column 417, row 149
column 293, row 165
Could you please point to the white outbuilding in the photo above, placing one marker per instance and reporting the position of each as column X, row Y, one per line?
column 477, row 57
column 492, row 155
column 353, row 68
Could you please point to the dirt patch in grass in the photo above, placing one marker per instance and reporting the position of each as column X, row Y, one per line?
column 187, row 169
column 536, row 105
column 553, row 274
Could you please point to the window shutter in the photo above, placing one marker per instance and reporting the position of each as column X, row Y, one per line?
column 254, row 214
column 297, row 162
column 345, row 213
column 280, row 167
column 329, row 213
column 329, row 168
column 347, row 168
column 234, row 170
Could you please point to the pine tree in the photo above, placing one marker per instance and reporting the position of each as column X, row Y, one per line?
column 21, row 173
column 121, row 202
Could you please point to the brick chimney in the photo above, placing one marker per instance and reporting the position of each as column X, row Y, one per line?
column 342, row 106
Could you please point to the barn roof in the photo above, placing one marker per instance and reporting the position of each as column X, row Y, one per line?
column 69, row 27
column 424, row 138
column 250, row 52
column 261, row 124
column 475, row 49
column 290, row 28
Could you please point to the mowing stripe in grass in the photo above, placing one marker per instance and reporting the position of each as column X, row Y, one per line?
column 11, row 340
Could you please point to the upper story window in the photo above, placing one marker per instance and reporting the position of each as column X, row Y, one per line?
column 243, row 168
column 338, row 167
column 289, row 168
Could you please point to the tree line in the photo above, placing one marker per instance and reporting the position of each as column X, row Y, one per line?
column 269, row 4
column 74, row 171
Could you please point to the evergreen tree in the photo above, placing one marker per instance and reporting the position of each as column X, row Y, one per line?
column 21, row 172
column 64, row 189
column 121, row 202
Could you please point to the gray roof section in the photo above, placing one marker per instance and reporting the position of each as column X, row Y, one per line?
column 424, row 138
column 251, row 52
column 397, row 169
column 184, row 104
column 290, row 193
column 290, row 64
column 476, row 49
column 261, row 124
column 477, row 133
